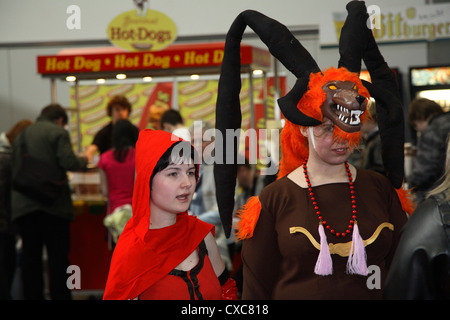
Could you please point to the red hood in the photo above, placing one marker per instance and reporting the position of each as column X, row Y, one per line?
column 150, row 146
column 143, row 256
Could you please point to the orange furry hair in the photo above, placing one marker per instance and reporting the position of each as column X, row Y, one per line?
column 248, row 217
column 406, row 200
column 294, row 146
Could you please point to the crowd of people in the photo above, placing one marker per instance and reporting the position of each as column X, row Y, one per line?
column 47, row 225
column 330, row 218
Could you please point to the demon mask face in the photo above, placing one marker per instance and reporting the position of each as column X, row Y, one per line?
column 343, row 105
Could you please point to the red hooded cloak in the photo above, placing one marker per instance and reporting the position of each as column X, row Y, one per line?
column 143, row 256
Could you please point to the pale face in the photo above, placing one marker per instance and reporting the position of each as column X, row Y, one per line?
column 172, row 190
column 326, row 149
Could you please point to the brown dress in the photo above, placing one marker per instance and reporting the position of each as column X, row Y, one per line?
column 279, row 260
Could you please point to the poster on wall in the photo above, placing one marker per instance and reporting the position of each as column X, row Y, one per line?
column 196, row 101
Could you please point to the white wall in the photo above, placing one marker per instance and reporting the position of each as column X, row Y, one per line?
column 45, row 20
column 29, row 28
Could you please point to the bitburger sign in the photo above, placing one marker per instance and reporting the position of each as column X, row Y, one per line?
column 142, row 30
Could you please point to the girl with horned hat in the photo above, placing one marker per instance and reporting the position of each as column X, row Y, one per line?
column 324, row 226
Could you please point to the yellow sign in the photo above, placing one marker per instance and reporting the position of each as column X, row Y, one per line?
column 393, row 24
column 132, row 31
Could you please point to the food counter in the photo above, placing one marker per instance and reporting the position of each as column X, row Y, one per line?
column 90, row 249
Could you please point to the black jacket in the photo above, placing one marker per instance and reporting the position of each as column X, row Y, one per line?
column 50, row 143
column 430, row 159
column 421, row 265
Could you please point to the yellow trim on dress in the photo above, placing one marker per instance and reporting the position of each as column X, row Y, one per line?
column 342, row 249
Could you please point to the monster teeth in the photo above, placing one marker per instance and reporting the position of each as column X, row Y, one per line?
column 342, row 109
column 355, row 117
column 343, row 118
column 349, row 116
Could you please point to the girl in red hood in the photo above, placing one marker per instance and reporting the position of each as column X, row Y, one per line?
column 164, row 253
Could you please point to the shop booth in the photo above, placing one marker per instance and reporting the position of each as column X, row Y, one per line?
column 174, row 62
column 431, row 82
column 148, row 78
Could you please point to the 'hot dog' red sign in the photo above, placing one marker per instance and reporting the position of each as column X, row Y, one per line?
column 173, row 57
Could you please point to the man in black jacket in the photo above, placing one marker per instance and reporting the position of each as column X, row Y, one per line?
column 40, row 223
column 118, row 107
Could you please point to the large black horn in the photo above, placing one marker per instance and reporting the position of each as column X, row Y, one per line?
column 288, row 50
column 358, row 42
column 353, row 38
column 288, row 104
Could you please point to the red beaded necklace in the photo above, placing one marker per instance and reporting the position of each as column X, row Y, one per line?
column 316, row 206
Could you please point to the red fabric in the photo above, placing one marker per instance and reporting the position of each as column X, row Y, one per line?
column 143, row 256
column 173, row 287
column 229, row 290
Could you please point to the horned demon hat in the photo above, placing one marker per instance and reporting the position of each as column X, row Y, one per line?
column 335, row 93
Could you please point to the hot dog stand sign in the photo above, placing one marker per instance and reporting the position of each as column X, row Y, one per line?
column 148, row 30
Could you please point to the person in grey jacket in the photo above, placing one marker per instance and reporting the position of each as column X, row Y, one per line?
column 46, row 224
column 204, row 203
column 434, row 125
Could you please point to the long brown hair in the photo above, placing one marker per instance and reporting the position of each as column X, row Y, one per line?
column 16, row 129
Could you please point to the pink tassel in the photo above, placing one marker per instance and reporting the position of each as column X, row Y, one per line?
column 356, row 263
column 324, row 264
